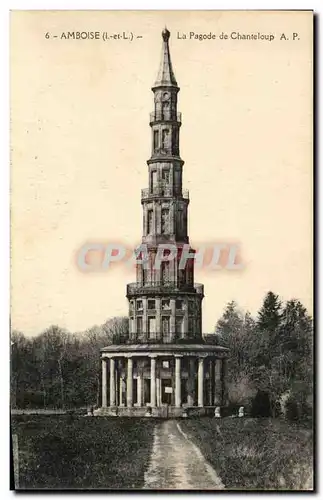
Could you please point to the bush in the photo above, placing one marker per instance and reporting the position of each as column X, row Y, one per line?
column 298, row 410
column 292, row 409
column 260, row 406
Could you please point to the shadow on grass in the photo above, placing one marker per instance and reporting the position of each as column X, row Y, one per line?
column 66, row 452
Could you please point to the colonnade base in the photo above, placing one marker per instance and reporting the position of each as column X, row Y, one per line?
column 160, row 412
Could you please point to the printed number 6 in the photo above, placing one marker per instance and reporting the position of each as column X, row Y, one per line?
column 47, row 35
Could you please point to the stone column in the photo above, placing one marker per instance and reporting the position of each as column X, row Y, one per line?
column 185, row 320
column 217, row 382
column 171, row 219
column 144, row 220
column 172, row 321
column 158, row 317
column 104, row 383
column 172, row 371
column 157, row 218
column 210, row 384
column 139, row 389
column 200, row 381
column 112, row 383
column 129, row 381
column 158, row 385
column 120, row 390
column 191, row 383
column 178, row 398
column 224, row 382
column 154, row 272
column 153, row 382
column 117, row 382
column 144, row 318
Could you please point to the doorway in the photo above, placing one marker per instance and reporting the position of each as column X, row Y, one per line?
column 166, row 391
column 146, row 391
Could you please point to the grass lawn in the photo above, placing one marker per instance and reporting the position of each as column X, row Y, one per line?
column 58, row 451
column 255, row 453
column 61, row 452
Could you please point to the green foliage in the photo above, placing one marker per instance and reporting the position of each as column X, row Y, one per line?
column 270, row 313
column 261, row 405
column 269, row 355
column 58, row 369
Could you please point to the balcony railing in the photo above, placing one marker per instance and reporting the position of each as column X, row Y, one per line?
column 164, row 338
column 157, row 286
column 163, row 191
column 165, row 116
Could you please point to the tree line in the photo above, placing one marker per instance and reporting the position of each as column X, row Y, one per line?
column 59, row 369
column 270, row 366
column 271, row 357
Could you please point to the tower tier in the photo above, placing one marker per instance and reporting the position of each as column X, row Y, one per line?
column 164, row 303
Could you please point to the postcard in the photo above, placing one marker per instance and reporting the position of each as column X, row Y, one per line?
column 162, row 250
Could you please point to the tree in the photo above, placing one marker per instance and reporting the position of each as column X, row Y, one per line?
column 296, row 331
column 116, row 329
column 269, row 316
column 95, row 339
column 22, row 368
column 297, row 354
column 60, row 369
column 283, row 350
column 270, row 356
column 229, row 326
column 51, row 350
column 234, row 330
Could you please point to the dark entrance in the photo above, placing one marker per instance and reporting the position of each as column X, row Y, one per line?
column 166, row 390
column 184, row 391
column 146, row 391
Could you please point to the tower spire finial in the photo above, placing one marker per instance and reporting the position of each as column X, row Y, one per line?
column 165, row 34
column 166, row 75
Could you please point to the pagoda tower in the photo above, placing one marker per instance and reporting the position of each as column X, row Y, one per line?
column 164, row 367
column 165, row 305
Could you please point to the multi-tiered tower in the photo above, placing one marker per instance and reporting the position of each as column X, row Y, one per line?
column 164, row 362
column 165, row 305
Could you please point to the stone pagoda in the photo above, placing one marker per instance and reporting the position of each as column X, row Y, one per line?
column 165, row 367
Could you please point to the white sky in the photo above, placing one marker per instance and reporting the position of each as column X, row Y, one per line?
column 81, row 137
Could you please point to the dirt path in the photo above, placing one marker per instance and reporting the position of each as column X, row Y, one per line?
column 176, row 463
